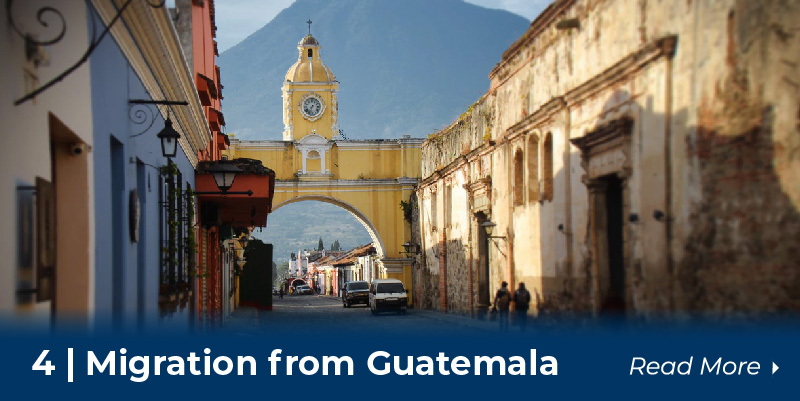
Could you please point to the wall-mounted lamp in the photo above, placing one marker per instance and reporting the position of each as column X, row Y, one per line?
column 658, row 215
column 169, row 139
column 224, row 175
column 411, row 248
column 168, row 136
column 489, row 226
column 633, row 218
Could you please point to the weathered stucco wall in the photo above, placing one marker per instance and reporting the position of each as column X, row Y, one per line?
column 688, row 109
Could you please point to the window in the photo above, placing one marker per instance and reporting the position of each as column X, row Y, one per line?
column 310, row 53
column 434, row 212
column 533, row 168
column 547, row 168
column 358, row 285
column 518, row 177
column 390, row 288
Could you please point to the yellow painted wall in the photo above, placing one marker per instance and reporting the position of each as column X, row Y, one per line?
column 373, row 160
column 369, row 178
column 321, row 126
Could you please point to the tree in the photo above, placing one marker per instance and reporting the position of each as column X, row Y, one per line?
column 336, row 246
column 321, row 246
column 281, row 273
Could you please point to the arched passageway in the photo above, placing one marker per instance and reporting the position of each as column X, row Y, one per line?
column 363, row 219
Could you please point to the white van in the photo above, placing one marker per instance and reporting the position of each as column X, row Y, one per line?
column 387, row 294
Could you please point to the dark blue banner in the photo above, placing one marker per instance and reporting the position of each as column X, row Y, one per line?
column 736, row 361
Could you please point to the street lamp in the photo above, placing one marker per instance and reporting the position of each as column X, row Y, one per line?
column 243, row 241
column 169, row 139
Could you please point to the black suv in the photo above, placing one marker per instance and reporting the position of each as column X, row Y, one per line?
column 355, row 292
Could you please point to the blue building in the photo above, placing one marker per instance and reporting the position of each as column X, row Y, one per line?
column 103, row 223
column 108, row 230
column 143, row 203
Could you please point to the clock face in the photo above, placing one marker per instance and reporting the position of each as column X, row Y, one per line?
column 312, row 106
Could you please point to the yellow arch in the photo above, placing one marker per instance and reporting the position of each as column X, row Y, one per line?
column 368, row 178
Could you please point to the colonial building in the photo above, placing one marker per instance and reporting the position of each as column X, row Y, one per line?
column 632, row 157
column 369, row 178
column 46, row 271
column 223, row 219
column 100, row 186
column 88, row 183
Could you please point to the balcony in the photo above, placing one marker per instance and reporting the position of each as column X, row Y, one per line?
column 215, row 119
column 206, row 89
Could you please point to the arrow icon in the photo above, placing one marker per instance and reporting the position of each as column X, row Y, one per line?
column 774, row 368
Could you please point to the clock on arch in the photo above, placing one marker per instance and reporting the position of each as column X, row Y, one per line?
column 311, row 106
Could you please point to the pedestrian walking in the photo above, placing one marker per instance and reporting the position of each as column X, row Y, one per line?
column 522, row 302
column 502, row 300
column 280, row 293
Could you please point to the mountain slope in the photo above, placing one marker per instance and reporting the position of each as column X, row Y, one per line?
column 404, row 67
column 299, row 226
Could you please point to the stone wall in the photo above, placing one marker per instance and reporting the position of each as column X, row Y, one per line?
column 425, row 284
column 742, row 251
column 691, row 108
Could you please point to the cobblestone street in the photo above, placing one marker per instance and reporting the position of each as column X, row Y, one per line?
column 326, row 313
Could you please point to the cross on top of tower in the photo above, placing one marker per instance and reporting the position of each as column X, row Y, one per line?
column 309, row 26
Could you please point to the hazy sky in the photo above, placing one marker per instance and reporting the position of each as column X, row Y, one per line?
column 237, row 19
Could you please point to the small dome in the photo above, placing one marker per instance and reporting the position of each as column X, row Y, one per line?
column 309, row 40
column 309, row 71
column 309, row 66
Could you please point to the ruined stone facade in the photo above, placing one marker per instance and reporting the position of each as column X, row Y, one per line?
column 635, row 156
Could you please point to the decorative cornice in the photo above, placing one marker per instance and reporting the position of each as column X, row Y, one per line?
column 260, row 144
column 379, row 182
column 624, row 69
column 539, row 25
column 604, row 135
column 150, row 43
column 313, row 139
column 379, row 144
column 294, row 85
column 396, row 263
column 408, row 180
column 541, row 115
column 447, row 170
column 480, row 184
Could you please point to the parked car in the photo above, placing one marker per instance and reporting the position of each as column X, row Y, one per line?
column 303, row 289
column 388, row 294
column 355, row 292
column 275, row 291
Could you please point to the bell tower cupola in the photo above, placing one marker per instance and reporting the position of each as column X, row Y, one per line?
column 310, row 105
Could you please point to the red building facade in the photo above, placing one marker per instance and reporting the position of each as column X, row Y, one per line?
column 226, row 217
